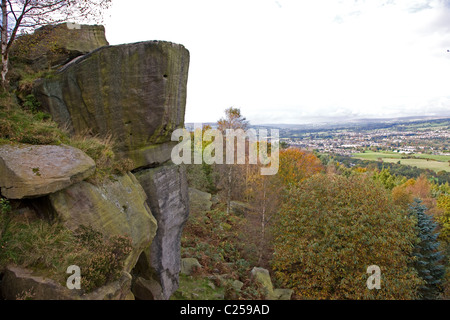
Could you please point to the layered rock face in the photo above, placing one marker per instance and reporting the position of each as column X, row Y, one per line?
column 166, row 187
column 136, row 93
column 117, row 207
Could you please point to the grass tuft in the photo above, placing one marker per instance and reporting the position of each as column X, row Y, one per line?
column 50, row 248
column 30, row 126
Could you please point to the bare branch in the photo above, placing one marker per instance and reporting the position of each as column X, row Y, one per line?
column 12, row 10
column 17, row 26
column 30, row 14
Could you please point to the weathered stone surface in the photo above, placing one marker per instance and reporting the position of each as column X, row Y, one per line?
column 237, row 285
column 188, row 265
column 55, row 45
column 262, row 277
column 114, row 208
column 283, row 294
column 136, row 92
column 31, row 171
column 215, row 199
column 18, row 282
column 116, row 290
column 167, row 191
column 153, row 155
column 144, row 289
column 199, row 201
column 240, row 208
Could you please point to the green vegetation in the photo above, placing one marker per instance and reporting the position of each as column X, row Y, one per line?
column 437, row 166
column 394, row 167
column 100, row 259
column 422, row 161
column 26, row 76
column 101, row 150
column 25, row 124
column 214, row 239
column 19, row 125
column 372, row 155
column 48, row 248
column 197, row 287
column 388, row 180
column 426, row 161
column 426, row 125
column 443, row 203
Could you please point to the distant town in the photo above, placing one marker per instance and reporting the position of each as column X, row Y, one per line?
column 431, row 136
column 346, row 142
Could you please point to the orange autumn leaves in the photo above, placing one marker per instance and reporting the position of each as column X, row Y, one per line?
column 296, row 165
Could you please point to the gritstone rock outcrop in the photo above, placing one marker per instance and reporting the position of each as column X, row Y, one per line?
column 135, row 93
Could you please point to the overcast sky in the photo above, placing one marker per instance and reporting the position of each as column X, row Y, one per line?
column 290, row 61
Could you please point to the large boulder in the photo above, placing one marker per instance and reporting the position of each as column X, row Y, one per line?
column 189, row 265
column 55, row 45
column 116, row 207
column 22, row 283
column 240, row 208
column 199, row 201
column 167, row 191
column 261, row 276
column 144, row 289
column 134, row 92
column 19, row 282
column 283, row 294
column 28, row 171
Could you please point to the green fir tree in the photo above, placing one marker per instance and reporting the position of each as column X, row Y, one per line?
column 428, row 258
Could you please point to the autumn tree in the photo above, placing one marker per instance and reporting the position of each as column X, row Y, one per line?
column 200, row 176
column 297, row 165
column 330, row 228
column 264, row 195
column 422, row 189
column 233, row 120
column 405, row 193
column 443, row 203
column 24, row 15
column 402, row 194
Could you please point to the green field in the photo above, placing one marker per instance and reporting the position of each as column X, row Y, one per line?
column 435, row 162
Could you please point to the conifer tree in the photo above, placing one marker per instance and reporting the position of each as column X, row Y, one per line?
column 427, row 257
